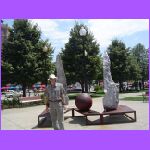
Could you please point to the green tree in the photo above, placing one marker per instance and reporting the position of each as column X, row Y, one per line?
column 78, row 66
column 134, row 69
column 119, row 54
column 23, row 59
column 140, row 53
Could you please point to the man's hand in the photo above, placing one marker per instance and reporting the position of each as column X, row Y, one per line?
column 65, row 107
column 46, row 109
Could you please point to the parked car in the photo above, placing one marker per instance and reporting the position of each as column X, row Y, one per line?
column 41, row 89
column 10, row 91
column 11, row 94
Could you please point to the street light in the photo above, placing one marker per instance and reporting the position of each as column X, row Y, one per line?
column 83, row 33
column 85, row 53
column 45, row 50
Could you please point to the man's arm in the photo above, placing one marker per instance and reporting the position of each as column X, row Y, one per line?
column 63, row 98
column 63, row 95
column 46, row 98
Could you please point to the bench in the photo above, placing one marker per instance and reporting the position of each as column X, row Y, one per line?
column 46, row 114
column 24, row 100
column 85, row 114
column 121, row 110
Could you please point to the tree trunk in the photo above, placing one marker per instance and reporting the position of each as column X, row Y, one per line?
column 24, row 90
column 120, row 86
column 86, row 87
column 143, row 84
column 82, row 86
column 89, row 86
column 127, row 86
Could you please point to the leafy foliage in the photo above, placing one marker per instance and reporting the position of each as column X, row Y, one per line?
column 124, row 64
column 141, row 56
column 23, row 59
column 119, row 60
column 77, row 66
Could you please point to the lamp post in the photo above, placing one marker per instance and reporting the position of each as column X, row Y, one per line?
column 83, row 33
column 45, row 50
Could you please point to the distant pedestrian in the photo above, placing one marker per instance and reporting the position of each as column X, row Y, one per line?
column 35, row 91
column 140, row 85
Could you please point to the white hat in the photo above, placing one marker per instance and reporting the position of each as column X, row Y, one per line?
column 52, row 76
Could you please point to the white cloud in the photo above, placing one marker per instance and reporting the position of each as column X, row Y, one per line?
column 105, row 30
column 51, row 30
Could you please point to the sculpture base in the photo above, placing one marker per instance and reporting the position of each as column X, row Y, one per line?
column 109, row 109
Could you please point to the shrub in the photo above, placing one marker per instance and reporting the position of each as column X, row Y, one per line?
column 97, row 88
column 5, row 101
column 44, row 99
column 15, row 101
column 11, row 102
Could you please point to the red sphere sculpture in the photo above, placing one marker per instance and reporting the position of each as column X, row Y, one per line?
column 83, row 102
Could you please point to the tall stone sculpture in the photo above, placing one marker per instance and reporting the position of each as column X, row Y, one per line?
column 111, row 98
column 61, row 76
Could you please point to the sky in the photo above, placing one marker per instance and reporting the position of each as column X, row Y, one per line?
column 129, row 31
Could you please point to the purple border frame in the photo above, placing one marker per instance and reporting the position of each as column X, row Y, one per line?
column 0, row 73
column 78, row 9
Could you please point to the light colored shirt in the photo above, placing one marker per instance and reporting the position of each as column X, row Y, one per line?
column 55, row 93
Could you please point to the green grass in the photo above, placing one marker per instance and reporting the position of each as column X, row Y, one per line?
column 133, row 98
column 100, row 92
column 135, row 91
column 96, row 95
column 72, row 96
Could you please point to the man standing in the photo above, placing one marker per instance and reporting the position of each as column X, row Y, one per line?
column 55, row 94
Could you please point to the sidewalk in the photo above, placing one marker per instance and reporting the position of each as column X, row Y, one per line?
column 26, row 118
